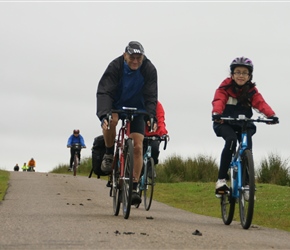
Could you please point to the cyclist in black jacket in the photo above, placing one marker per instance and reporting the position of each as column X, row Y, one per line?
column 131, row 81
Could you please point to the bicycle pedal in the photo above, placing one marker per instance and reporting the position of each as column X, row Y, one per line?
column 222, row 191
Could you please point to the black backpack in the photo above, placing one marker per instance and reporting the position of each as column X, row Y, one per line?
column 98, row 151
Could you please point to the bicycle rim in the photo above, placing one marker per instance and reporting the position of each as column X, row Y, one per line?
column 75, row 165
column 149, row 183
column 127, row 186
column 115, row 186
column 248, row 178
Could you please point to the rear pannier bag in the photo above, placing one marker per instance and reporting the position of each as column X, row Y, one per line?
column 98, row 151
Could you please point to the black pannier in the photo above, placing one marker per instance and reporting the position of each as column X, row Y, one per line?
column 98, row 151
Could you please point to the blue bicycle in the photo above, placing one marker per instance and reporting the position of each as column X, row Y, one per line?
column 147, row 180
column 242, row 177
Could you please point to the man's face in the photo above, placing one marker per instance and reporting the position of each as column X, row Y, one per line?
column 134, row 61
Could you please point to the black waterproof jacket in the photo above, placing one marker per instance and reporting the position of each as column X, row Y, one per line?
column 110, row 81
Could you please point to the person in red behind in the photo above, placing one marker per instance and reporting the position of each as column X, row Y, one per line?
column 161, row 131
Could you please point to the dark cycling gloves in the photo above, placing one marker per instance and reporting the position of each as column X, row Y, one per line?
column 216, row 117
column 274, row 118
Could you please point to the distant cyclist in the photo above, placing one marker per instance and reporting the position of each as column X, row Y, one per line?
column 76, row 137
column 236, row 95
column 31, row 165
column 131, row 81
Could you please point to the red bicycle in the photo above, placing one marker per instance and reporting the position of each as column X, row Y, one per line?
column 121, row 178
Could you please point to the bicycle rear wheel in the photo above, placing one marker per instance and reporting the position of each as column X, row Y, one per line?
column 115, row 186
column 75, row 164
column 246, row 201
column 149, row 183
column 127, row 186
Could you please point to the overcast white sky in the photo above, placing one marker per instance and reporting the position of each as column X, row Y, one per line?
column 52, row 55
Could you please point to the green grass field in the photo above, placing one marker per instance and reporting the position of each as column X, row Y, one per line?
column 4, row 178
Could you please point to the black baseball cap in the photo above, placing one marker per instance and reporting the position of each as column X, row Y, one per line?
column 134, row 48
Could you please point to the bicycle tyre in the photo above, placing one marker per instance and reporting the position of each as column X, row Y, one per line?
column 248, row 178
column 149, row 183
column 127, row 186
column 228, row 202
column 116, row 186
column 75, row 164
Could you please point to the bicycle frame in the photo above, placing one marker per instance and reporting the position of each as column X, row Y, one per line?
column 236, row 166
column 120, row 143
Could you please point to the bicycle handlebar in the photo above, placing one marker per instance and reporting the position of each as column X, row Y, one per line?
column 158, row 138
column 129, row 111
column 76, row 146
column 244, row 118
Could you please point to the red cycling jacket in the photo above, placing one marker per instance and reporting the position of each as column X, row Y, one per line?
column 161, row 126
column 225, row 101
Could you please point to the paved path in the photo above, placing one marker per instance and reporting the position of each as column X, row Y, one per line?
column 56, row 211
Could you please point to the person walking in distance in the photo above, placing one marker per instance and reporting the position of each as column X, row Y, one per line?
column 130, row 80
column 24, row 167
column 16, row 167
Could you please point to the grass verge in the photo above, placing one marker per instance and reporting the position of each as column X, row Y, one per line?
column 272, row 207
column 4, row 178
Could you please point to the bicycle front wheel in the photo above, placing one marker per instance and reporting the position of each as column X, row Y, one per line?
column 115, row 186
column 247, row 191
column 228, row 207
column 127, row 186
column 75, row 165
column 228, row 202
column 149, row 183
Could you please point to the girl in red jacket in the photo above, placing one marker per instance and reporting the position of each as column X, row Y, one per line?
column 236, row 95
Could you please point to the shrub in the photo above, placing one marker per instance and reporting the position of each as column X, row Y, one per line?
column 274, row 171
column 84, row 168
column 175, row 169
column 201, row 169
